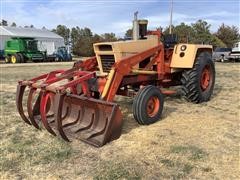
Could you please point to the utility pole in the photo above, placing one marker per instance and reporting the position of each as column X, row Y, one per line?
column 171, row 12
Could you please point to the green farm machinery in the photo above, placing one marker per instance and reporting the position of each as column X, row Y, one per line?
column 22, row 49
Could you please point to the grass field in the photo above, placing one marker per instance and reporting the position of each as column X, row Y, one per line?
column 192, row 141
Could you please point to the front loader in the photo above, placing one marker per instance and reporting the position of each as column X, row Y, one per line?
column 79, row 102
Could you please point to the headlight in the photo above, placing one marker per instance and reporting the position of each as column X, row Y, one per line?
column 183, row 47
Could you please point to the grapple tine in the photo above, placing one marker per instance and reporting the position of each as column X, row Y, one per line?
column 44, row 108
column 33, row 111
column 19, row 102
column 58, row 107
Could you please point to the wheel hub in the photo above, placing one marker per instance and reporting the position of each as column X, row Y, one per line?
column 13, row 59
column 153, row 106
column 205, row 78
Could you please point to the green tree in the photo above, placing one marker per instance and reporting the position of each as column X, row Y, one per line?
column 228, row 35
column 202, row 33
column 13, row 24
column 82, row 41
column 110, row 37
column 128, row 33
column 184, row 32
column 166, row 30
column 85, row 40
column 96, row 38
column 75, row 35
column 216, row 42
column 63, row 31
column 4, row 23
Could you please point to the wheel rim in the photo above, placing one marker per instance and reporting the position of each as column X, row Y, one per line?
column 13, row 59
column 206, row 77
column 153, row 105
column 6, row 59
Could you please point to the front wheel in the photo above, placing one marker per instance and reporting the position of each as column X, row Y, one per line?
column 15, row 59
column 198, row 82
column 222, row 59
column 148, row 105
column 58, row 59
column 7, row 59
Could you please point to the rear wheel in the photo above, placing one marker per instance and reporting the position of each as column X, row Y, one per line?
column 21, row 58
column 15, row 59
column 198, row 82
column 148, row 105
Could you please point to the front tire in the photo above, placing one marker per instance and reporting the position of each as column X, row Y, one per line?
column 222, row 59
column 15, row 59
column 7, row 59
column 59, row 59
column 148, row 105
column 198, row 82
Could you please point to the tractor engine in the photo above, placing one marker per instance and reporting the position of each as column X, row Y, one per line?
column 108, row 53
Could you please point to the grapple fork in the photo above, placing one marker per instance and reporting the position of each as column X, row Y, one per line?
column 55, row 102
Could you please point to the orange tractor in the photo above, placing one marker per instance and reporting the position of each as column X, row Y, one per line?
column 79, row 102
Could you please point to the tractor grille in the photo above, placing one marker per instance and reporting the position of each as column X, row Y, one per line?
column 107, row 62
column 105, row 48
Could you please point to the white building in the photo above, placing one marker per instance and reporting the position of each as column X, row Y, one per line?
column 47, row 40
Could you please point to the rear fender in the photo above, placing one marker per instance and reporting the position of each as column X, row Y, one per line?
column 184, row 55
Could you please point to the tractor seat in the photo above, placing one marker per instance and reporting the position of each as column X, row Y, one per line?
column 170, row 40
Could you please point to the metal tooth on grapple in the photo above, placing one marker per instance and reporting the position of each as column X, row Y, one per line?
column 46, row 111
column 34, row 110
column 93, row 121
column 54, row 101
column 19, row 102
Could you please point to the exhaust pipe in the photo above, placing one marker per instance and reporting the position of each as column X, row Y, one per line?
column 139, row 28
column 135, row 27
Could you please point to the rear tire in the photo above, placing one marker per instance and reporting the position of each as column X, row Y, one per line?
column 198, row 82
column 148, row 105
column 21, row 58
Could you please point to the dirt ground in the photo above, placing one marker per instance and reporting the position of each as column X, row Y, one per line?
column 191, row 141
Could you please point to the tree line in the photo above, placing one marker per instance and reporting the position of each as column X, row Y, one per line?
column 199, row 33
column 82, row 39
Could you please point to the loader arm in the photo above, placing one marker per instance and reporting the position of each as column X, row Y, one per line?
column 123, row 68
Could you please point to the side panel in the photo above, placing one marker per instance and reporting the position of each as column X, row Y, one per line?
column 184, row 55
column 11, row 47
column 22, row 45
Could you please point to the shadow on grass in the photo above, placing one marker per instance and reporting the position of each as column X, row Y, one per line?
column 217, row 90
column 129, row 123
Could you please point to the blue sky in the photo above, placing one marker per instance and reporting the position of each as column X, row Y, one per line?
column 116, row 15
